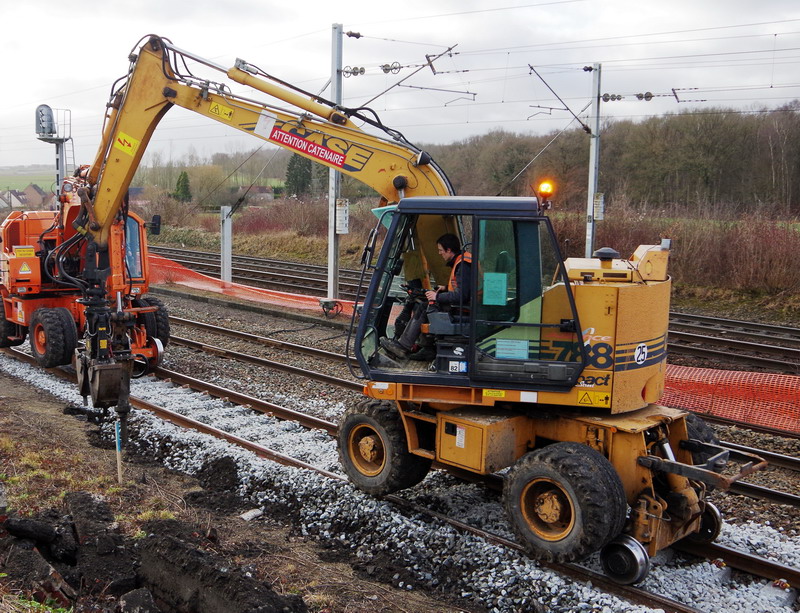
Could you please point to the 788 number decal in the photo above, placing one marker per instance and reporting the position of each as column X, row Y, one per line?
column 601, row 355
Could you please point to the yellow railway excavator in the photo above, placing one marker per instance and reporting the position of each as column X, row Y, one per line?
column 550, row 373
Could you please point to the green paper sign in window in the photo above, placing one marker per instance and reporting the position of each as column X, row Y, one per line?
column 495, row 288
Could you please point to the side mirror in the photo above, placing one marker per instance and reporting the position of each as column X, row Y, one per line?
column 369, row 248
column 154, row 226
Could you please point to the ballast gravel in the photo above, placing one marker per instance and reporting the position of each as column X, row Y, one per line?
column 428, row 554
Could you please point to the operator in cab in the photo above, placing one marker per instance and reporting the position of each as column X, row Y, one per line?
column 454, row 298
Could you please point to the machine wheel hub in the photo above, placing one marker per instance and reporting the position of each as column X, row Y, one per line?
column 547, row 508
column 366, row 450
column 40, row 338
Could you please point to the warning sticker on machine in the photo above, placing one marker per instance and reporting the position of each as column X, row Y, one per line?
column 461, row 433
column 308, row 147
column 24, row 269
column 126, row 143
column 494, row 393
column 594, row 399
column 24, row 251
column 220, row 110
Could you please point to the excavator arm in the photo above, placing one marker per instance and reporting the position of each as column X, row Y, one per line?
column 158, row 79
column 317, row 131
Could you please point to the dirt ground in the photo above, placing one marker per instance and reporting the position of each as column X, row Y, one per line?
column 47, row 458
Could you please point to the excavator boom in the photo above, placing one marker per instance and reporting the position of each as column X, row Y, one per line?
column 158, row 79
column 322, row 133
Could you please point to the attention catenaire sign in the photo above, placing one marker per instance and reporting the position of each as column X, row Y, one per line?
column 306, row 146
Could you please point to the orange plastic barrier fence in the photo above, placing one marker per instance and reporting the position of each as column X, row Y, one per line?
column 760, row 399
column 163, row 270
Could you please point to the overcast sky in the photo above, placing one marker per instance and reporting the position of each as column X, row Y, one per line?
column 690, row 54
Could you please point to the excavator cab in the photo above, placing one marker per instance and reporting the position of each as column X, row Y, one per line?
column 548, row 377
column 520, row 325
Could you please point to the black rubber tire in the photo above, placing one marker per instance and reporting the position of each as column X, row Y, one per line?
column 156, row 323
column 698, row 429
column 394, row 467
column 70, row 333
column 146, row 319
column 9, row 329
column 617, row 492
column 591, row 504
column 48, row 338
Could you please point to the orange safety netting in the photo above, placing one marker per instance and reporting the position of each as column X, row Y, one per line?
column 760, row 399
column 163, row 270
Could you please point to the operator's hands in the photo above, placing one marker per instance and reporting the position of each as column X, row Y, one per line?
column 431, row 295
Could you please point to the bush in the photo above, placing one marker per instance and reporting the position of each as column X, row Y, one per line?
column 160, row 202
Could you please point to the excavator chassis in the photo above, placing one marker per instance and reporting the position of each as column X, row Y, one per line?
column 626, row 485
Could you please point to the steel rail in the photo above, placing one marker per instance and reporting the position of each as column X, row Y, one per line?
column 719, row 341
column 286, row 281
column 735, row 325
column 252, row 359
column 764, row 493
column 785, row 367
column 492, row 481
column 261, row 340
column 751, row 564
column 776, row 459
column 760, row 337
column 724, row 421
column 631, row 593
column 259, row 450
column 295, row 277
column 314, row 269
column 743, row 488
column 262, row 406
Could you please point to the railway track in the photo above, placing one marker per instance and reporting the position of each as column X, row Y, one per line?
column 742, row 487
column 278, row 275
column 754, row 565
column 718, row 340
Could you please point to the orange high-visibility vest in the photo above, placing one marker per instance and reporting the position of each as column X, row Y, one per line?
column 452, row 283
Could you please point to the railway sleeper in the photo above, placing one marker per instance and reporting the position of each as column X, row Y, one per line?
column 573, row 484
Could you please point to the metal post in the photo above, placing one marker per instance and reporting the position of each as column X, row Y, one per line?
column 334, row 178
column 594, row 160
column 226, row 245
column 61, row 165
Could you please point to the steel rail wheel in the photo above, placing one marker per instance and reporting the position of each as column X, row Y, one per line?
column 565, row 501
column 710, row 525
column 373, row 450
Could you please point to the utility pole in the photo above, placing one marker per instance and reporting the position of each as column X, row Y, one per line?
column 226, row 245
column 334, row 178
column 594, row 160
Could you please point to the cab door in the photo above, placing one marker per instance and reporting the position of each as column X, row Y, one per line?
column 525, row 327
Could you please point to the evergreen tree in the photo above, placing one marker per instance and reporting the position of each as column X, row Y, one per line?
column 182, row 191
column 298, row 176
